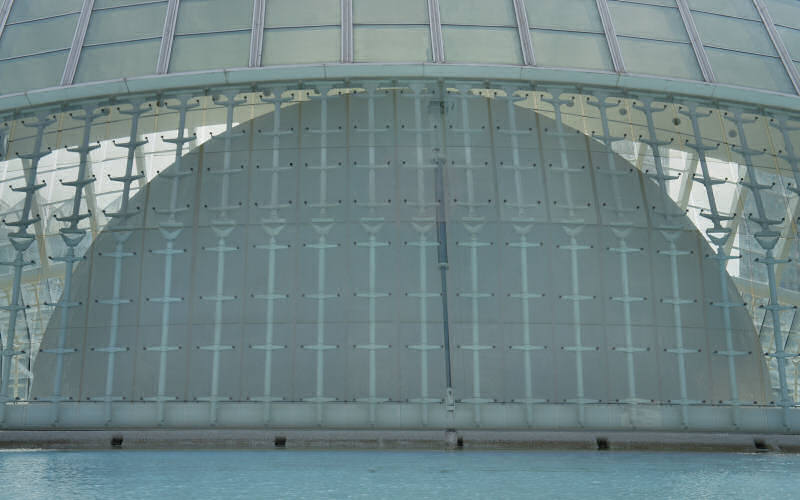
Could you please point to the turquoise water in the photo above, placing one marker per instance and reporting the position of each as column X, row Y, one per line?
column 176, row 475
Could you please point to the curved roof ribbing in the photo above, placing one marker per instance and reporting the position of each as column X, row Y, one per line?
column 51, row 51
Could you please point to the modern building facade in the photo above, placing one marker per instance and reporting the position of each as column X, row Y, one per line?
column 375, row 214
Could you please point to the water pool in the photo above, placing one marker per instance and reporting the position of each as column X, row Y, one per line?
column 373, row 474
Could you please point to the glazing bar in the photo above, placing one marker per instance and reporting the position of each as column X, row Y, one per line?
column 524, row 33
column 257, row 32
column 77, row 43
column 437, row 43
column 5, row 10
column 347, row 31
column 697, row 44
column 168, row 37
column 777, row 41
column 611, row 36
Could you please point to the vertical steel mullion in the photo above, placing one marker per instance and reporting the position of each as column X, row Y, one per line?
column 257, row 33
column 347, row 31
column 437, row 43
column 697, row 44
column 167, row 37
column 77, row 43
column 777, row 41
column 524, row 33
column 611, row 36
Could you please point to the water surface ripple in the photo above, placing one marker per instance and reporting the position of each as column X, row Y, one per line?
column 374, row 474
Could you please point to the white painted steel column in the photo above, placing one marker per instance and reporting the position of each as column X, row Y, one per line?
column 170, row 228
column 20, row 240
column 423, row 223
column 523, row 225
column 718, row 235
column 372, row 224
column 474, row 224
column 273, row 225
column 322, row 225
column 622, row 230
column 222, row 225
column 121, row 235
column 767, row 237
column 72, row 236
column 676, row 301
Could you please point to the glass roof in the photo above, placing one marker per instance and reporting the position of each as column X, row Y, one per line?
column 743, row 43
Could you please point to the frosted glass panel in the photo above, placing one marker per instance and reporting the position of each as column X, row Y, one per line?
column 674, row 60
column 571, row 50
column 203, row 16
column 736, row 34
column 648, row 22
column 32, row 72
column 392, row 44
column 26, row 10
column 492, row 45
column 784, row 12
column 579, row 15
column 315, row 13
column 478, row 12
column 27, row 38
column 130, row 23
column 108, row 62
column 301, row 46
column 791, row 38
column 749, row 70
column 218, row 50
column 743, row 9
column 390, row 11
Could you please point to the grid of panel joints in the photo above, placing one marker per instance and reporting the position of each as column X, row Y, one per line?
column 795, row 159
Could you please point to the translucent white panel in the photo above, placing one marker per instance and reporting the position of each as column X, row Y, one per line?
column 791, row 38
column 210, row 51
column 736, row 34
column 301, row 46
column 479, row 12
column 36, row 9
column 106, row 62
column 130, row 23
column 491, row 45
column 743, row 9
column 203, row 16
column 392, row 44
column 314, row 13
column 749, row 70
column 571, row 50
column 784, row 12
column 580, row 15
column 390, row 11
column 674, row 60
column 105, row 4
column 648, row 21
column 22, row 39
column 34, row 72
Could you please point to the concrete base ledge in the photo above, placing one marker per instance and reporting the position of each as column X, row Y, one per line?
column 401, row 439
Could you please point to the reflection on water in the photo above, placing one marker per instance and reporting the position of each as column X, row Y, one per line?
column 393, row 474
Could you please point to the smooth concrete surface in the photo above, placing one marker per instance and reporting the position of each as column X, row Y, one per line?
column 388, row 439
